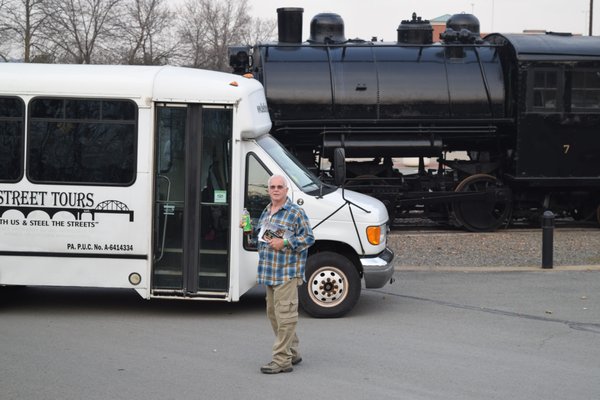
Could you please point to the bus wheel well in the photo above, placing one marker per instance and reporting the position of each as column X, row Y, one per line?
column 339, row 248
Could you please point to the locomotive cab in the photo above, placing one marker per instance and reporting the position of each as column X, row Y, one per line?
column 557, row 117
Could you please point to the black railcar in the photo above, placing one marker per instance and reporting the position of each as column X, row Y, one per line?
column 522, row 110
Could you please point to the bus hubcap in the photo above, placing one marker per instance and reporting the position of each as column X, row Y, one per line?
column 328, row 286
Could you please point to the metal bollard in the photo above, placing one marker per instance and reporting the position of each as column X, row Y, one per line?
column 547, row 239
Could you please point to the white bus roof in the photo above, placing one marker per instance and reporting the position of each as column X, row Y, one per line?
column 159, row 83
column 142, row 84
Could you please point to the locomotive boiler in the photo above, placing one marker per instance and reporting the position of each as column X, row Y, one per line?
column 512, row 121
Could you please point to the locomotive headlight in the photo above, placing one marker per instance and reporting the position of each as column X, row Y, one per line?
column 376, row 234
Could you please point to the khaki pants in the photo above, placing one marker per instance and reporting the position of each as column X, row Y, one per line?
column 282, row 310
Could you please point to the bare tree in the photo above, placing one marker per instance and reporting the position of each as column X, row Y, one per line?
column 208, row 27
column 27, row 25
column 259, row 30
column 80, row 30
column 146, row 33
column 4, row 45
column 6, row 31
column 192, row 33
column 128, row 31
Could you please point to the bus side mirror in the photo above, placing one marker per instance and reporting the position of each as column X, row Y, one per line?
column 339, row 166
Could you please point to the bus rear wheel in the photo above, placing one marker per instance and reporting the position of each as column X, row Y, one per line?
column 332, row 287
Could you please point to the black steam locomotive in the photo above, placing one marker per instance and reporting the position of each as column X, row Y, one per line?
column 521, row 110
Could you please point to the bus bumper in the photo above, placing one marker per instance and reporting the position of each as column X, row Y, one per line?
column 378, row 270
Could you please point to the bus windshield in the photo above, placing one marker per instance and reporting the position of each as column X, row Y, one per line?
column 302, row 177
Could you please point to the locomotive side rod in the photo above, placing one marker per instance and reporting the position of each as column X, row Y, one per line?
column 433, row 197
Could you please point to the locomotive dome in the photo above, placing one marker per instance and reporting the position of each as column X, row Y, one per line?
column 327, row 28
column 458, row 22
column 461, row 28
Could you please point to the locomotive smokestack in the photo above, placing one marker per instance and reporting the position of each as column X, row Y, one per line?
column 289, row 24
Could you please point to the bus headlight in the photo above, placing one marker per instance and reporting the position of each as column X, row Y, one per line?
column 376, row 234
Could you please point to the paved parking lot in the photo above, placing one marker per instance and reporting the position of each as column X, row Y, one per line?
column 430, row 335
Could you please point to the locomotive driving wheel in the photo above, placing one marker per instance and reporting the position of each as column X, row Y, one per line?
column 483, row 214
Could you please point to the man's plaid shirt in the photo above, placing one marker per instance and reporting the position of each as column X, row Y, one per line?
column 277, row 267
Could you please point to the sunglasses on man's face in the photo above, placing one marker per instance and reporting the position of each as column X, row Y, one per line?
column 273, row 187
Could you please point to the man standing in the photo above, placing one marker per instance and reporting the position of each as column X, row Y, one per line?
column 284, row 238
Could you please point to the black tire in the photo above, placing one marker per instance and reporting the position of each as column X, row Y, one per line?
column 332, row 286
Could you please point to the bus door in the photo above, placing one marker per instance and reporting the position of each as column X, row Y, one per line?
column 192, row 201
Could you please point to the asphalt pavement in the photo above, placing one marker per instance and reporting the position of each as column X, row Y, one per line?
column 431, row 335
column 469, row 317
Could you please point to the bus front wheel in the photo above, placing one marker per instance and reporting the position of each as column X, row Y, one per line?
column 332, row 285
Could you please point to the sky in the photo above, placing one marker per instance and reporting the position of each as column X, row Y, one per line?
column 367, row 18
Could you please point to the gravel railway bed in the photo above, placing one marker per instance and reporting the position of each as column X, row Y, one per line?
column 504, row 248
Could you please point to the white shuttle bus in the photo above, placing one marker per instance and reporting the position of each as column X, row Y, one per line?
column 136, row 177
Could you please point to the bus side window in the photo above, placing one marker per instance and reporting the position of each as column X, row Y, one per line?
column 82, row 141
column 12, row 112
column 257, row 193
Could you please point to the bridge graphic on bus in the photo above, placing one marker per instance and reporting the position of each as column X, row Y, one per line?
column 105, row 207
